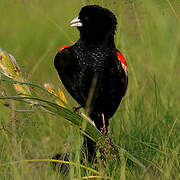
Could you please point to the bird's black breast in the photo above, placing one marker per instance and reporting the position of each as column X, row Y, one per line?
column 78, row 66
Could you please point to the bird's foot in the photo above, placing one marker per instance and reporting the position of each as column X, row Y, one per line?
column 76, row 109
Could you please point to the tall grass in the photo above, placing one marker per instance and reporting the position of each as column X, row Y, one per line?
column 147, row 121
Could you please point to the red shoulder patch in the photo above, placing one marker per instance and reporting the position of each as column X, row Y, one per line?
column 63, row 47
column 121, row 58
column 122, row 61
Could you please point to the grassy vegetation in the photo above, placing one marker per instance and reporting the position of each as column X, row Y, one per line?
column 147, row 121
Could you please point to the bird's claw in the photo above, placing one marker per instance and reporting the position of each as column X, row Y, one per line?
column 76, row 109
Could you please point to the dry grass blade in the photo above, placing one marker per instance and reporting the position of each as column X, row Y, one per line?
column 10, row 68
column 3, row 93
column 57, row 161
column 95, row 177
column 59, row 97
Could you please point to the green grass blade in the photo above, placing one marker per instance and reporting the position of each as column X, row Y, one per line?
column 75, row 119
column 128, row 155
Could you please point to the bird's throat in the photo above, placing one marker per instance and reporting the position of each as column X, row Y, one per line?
column 98, row 41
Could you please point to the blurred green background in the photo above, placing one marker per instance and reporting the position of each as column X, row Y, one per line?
column 147, row 121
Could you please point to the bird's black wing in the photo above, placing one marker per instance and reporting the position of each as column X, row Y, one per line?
column 66, row 66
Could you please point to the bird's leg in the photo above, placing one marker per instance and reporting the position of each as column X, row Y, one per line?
column 104, row 129
column 76, row 109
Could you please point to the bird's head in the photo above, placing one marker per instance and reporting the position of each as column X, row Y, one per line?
column 95, row 22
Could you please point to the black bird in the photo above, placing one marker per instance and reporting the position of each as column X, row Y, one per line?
column 94, row 58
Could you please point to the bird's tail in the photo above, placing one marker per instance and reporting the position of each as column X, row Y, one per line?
column 89, row 149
